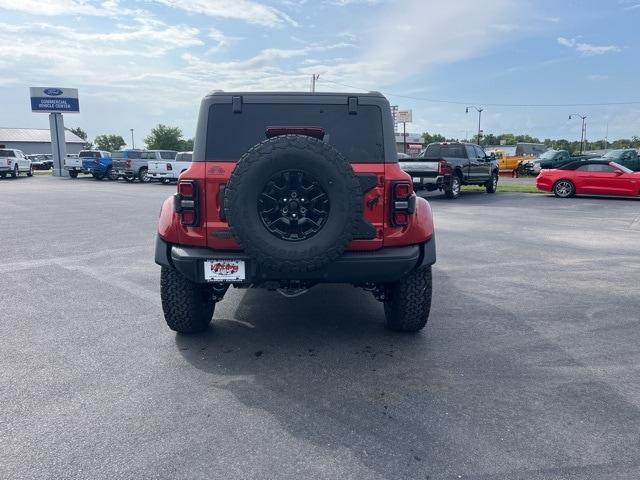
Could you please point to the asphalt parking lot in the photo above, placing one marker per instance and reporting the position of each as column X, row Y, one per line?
column 529, row 367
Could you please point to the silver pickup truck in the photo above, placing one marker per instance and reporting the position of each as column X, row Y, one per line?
column 132, row 164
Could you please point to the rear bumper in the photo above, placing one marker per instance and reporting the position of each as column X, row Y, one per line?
column 161, row 175
column 386, row 265
column 5, row 169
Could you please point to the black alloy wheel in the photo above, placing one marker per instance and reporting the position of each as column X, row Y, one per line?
column 293, row 205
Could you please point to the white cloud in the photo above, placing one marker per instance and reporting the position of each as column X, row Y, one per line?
column 246, row 10
column 587, row 49
column 401, row 44
column 108, row 8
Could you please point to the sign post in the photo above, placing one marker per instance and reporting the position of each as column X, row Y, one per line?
column 404, row 117
column 55, row 101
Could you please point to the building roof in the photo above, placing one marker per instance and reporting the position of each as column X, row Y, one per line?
column 34, row 135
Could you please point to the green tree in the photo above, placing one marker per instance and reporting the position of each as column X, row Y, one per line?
column 164, row 137
column 111, row 143
column 83, row 135
column 186, row 145
column 431, row 138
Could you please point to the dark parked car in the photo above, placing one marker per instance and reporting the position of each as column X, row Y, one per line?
column 627, row 157
column 447, row 166
column 41, row 161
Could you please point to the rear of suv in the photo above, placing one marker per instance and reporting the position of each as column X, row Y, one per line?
column 288, row 190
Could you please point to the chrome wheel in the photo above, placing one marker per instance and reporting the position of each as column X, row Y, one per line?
column 563, row 188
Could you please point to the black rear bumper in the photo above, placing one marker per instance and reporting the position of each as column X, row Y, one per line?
column 379, row 266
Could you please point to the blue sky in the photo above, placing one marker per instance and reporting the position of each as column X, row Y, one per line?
column 139, row 63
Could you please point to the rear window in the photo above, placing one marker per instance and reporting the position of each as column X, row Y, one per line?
column 168, row 155
column 87, row 154
column 7, row 153
column 117, row 155
column 442, row 151
column 184, row 157
column 358, row 137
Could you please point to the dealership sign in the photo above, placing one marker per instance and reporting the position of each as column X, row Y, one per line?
column 404, row 116
column 54, row 100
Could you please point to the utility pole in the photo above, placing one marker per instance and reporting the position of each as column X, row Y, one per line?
column 133, row 144
column 314, row 78
column 584, row 129
column 479, row 110
column 606, row 137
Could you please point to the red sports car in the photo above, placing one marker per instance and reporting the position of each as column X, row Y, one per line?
column 594, row 177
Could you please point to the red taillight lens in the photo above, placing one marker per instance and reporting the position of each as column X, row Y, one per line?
column 400, row 219
column 169, row 167
column 128, row 163
column 188, row 217
column 402, row 191
column 442, row 167
column 186, row 202
column 186, row 188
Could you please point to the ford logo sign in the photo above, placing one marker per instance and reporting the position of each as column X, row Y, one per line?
column 54, row 92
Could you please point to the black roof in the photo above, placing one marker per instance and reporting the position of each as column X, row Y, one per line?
column 586, row 161
column 296, row 94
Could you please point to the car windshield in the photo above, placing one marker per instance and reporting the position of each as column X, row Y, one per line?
column 613, row 154
column 620, row 167
column 548, row 155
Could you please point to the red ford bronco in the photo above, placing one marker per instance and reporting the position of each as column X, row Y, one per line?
column 287, row 190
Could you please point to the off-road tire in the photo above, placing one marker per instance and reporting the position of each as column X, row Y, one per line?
column 492, row 184
column 73, row 173
column 408, row 302
column 15, row 172
column 332, row 172
column 130, row 178
column 452, row 190
column 143, row 176
column 3, row 175
column 165, row 181
column 188, row 307
column 30, row 172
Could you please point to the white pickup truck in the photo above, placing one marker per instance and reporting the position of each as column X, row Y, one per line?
column 168, row 170
column 14, row 162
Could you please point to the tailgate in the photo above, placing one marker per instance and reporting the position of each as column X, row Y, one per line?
column 119, row 163
column 158, row 167
column 422, row 167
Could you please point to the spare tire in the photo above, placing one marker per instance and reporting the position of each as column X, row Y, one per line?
column 293, row 203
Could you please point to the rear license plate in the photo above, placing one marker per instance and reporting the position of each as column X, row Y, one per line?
column 417, row 179
column 224, row 270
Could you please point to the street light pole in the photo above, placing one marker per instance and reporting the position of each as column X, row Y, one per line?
column 479, row 110
column 133, row 144
column 582, row 134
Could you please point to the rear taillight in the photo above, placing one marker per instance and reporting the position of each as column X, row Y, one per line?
column 128, row 163
column 442, row 167
column 403, row 203
column 169, row 167
column 186, row 202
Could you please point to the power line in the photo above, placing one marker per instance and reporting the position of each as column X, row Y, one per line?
column 527, row 105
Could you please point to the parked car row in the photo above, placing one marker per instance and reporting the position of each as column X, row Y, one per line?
column 131, row 165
